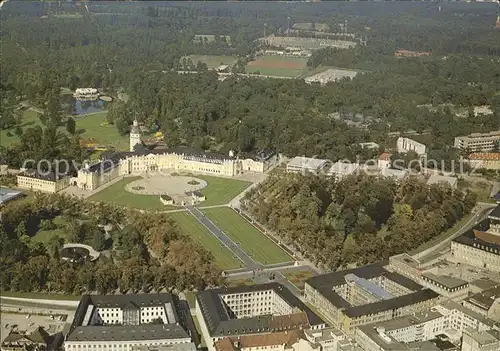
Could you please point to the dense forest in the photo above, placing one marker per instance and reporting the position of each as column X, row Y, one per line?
column 143, row 251
column 356, row 220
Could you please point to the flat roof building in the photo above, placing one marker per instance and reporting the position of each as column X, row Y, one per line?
column 8, row 194
column 405, row 145
column 301, row 164
column 341, row 169
column 478, row 142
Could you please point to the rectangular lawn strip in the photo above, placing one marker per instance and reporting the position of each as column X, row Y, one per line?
column 298, row 278
column 94, row 126
column 240, row 282
column 220, row 191
column 256, row 244
column 224, row 258
column 37, row 295
column 117, row 194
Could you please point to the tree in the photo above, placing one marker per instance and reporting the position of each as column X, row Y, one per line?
column 98, row 240
column 71, row 125
column 122, row 126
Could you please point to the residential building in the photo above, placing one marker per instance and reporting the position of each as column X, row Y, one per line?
column 478, row 142
column 48, row 182
column 8, row 194
column 480, row 246
column 365, row 295
column 439, row 179
column 260, row 162
column 341, row 169
column 481, row 341
column 405, row 145
column 251, row 310
column 278, row 341
column 487, row 160
column 38, row 339
column 486, row 303
column 124, row 322
column 301, row 164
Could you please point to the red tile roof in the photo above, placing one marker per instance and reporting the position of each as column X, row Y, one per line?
column 485, row 156
column 385, row 156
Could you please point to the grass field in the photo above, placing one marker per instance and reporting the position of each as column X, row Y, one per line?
column 299, row 278
column 94, row 126
column 278, row 66
column 213, row 61
column 481, row 188
column 117, row 194
column 224, row 258
column 44, row 236
column 256, row 244
column 30, row 119
column 240, row 282
column 221, row 190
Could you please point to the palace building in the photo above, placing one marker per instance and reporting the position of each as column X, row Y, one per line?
column 140, row 160
column 48, row 182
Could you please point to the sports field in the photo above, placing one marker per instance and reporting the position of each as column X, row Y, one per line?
column 281, row 66
column 221, row 190
column 256, row 244
column 117, row 194
column 213, row 61
column 93, row 127
column 188, row 225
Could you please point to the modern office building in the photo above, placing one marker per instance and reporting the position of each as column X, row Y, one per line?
column 405, row 145
column 480, row 246
column 365, row 295
column 478, row 142
column 301, row 164
column 125, row 322
column 48, row 182
column 251, row 310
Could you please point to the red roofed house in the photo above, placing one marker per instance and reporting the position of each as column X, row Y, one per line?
column 488, row 160
column 384, row 160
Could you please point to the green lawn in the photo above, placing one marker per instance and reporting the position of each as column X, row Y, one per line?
column 221, row 190
column 38, row 295
column 240, row 282
column 298, row 278
column 94, row 126
column 30, row 119
column 213, row 61
column 256, row 244
column 224, row 258
column 43, row 236
column 117, row 194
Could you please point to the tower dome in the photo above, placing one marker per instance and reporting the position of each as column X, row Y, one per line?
column 135, row 135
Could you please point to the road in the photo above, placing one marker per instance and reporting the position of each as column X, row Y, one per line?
column 483, row 210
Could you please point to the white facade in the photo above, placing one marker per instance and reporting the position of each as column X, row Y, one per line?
column 405, row 145
column 476, row 256
column 128, row 345
column 478, row 142
column 135, row 135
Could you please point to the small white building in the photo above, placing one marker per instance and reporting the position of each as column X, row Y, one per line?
column 341, row 169
column 305, row 164
column 405, row 145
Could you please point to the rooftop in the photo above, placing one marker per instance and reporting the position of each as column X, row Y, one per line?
column 367, row 285
column 446, row 281
column 340, row 167
column 393, row 173
column 485, row 299
column 307, row 163
column 128, row 332
column 259, row 341
column 486, row 156
column 49, row 175
column 470, row 239
column 8, row 194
